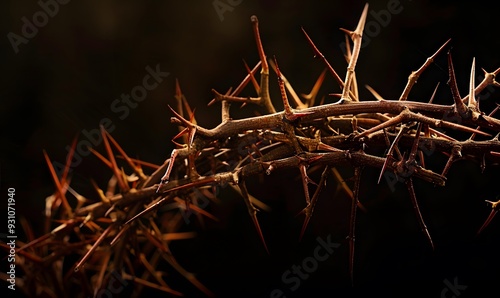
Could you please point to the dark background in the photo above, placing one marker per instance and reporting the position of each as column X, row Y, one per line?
column 64, row 79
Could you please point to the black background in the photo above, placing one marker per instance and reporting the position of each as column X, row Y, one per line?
column 64, row 79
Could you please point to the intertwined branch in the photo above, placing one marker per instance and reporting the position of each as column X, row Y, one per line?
column 129, row 230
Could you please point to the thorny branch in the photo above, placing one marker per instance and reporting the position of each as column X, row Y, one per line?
column 352, row 132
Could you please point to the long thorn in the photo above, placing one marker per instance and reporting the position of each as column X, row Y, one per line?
column 137, row 170
column 488, row 220
column 290, row 115
column 473, row 105
column 311, row 97
column 356, row 37
column 460, row 106
column 252, row 211
column 489, row 79
column 58, row 185
column 300, row 105
column 317, row 53
column 116, row 171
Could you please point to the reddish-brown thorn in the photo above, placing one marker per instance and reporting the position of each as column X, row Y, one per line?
column 290, row 115
column 317, row 53
column 260, row 48
column 141, row 281
column 137, row 170
column 352, row 226
column 69, row 158
column 393, row 121
column 191, row 127
column 305, row 181
column 308, row 210
column 147, row 210
column 434, row 93
column 414, row 148
column 166, row 177
column 421, row 159
column 295, row 98
column 473, row 104
column 101, row 158
column 495, row 208
column 343, row 185
column 178, row 98
column 303, row 163
column 374, row 93
column 100, row 192
column 243, row 83
column 348, row 50
column 389, row 157
column 412, row 79
column 183, row 103
column 247, row 79
column 180, row 134
column 413, row 197
column 325, row 147
column 162, row 285
column 356, row 36
column 460, row 106
column 286, row 104
column 196, row 183
column 28, row 256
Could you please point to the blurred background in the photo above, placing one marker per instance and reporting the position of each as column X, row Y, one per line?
column 61, row 77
